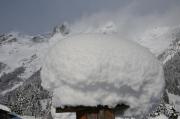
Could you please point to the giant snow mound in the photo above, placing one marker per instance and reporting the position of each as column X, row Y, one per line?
column 93, row 69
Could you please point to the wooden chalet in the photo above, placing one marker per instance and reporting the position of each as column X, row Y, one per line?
column 96, row 112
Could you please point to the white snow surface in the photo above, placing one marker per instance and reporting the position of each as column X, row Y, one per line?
column 174, row 100
column 65, row 116
column 94, row 69
column 5, row 108
column 160, row 117
column 30, row 117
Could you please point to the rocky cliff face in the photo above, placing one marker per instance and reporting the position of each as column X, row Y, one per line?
column 171, row 61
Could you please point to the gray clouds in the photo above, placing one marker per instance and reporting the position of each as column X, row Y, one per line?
column 38, row 16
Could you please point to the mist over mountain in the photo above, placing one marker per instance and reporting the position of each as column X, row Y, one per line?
column 22, row 55
column 21, row 58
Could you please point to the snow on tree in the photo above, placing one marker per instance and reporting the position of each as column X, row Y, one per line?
column 97, row 69
column 63, row 29
column 25, row 100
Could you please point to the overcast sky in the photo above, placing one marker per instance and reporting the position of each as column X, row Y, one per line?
column 39, row 16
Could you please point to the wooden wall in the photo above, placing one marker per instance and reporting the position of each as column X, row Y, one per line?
column 101, row 114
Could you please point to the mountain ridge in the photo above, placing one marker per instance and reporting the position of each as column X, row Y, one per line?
column 21, row 58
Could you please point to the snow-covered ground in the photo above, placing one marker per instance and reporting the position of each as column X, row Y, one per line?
column 31, row 117
column 160, row 117
column 174, row 100
column 65, row 116
column 3, row 107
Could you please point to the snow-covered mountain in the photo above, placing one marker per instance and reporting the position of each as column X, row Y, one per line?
column 21, row 58
column 171, row 61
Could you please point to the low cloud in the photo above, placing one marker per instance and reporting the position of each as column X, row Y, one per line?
column 133, row 19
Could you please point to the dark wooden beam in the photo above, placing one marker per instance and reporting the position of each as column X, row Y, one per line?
column 121, row 108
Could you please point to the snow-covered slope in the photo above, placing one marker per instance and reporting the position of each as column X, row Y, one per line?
column 2, row 107
column 158, row 39
column 21, row 51
column 21, row 56
column 17, row 50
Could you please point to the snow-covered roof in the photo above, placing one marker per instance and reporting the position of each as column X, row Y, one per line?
column 5, row 108
column 94, row 69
